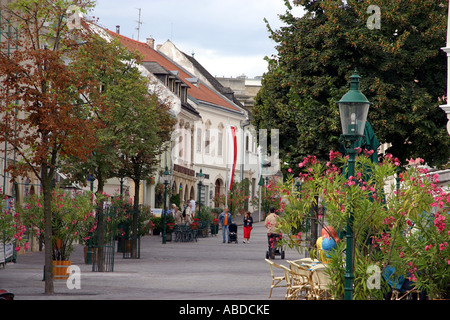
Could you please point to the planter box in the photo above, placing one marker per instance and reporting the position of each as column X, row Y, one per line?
column 214, row 229
column 60, row 269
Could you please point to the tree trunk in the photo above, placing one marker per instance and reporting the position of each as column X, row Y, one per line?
column 134, row 227
column 100, row 227
column 48, row 247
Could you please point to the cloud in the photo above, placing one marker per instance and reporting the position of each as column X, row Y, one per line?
column 225, row 35
column 232, row 66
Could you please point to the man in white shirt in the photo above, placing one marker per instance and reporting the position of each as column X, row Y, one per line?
column 192, row 202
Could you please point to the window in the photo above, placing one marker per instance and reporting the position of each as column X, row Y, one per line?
column 207, row 140
column 220, row 143
column 199, row 140
column 220, row 140
column 180, row 143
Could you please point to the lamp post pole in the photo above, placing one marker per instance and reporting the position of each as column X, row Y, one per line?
column 353, row 109
column 164, row 211
column 266, row 200
column 348, row 283
column 200, row 185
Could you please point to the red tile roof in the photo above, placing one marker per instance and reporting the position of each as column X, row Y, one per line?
column 202, row 92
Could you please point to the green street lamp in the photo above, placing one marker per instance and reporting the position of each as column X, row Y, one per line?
column 265, row 195
column 353, row 110
column 166, row 176
column 200, row 176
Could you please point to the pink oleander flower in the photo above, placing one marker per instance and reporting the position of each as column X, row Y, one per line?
column 439, row 222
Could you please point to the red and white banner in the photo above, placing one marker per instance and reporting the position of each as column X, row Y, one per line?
column 232, row 155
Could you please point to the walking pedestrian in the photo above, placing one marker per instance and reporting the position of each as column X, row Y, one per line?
column 225, row 220
column 193, row 205
column 173, row 210
column 178, row 216
column 271, row 223
column 189, row 214
column 248, row 226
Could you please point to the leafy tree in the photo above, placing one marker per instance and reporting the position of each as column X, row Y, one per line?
column 44, row 116
column 147, row 127
column 136, row 124
column 110, row 66
column 403, row 74
column 139, row 124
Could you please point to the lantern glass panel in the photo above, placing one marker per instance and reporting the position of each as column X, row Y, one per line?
column 353, row 117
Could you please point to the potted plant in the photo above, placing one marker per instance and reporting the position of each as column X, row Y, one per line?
column 156, row 221
column 195, row 224
column 169, row 229
column 73, row 217
column 170, row 225
column 215, row 226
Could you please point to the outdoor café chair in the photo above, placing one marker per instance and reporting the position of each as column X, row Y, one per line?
column 302, row 277
column 276, row 280
column 320, row 280
column 293, row 289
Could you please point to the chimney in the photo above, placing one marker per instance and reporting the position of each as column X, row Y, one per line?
column 151, row 42
column 118, row 29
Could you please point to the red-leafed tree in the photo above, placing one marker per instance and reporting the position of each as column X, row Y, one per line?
column 45, row 112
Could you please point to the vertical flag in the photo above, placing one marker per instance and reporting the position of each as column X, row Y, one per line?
column 233, row 154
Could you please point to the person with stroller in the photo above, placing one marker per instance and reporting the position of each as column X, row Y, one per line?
column 225, row 220
column 271, row 223
column 248, row 226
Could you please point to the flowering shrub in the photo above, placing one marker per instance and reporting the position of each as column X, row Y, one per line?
column 73, row 217
column 11, row 227
column 418, row 235
column 169, row 227
column 195, row 224
column 270, row 197
column 402, row 225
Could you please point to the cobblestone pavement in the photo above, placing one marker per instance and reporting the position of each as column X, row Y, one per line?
column 204, row 270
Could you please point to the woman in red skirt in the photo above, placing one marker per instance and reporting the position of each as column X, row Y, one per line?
column 248, row 226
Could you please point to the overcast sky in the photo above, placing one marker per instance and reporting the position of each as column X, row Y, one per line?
column 229, row 38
